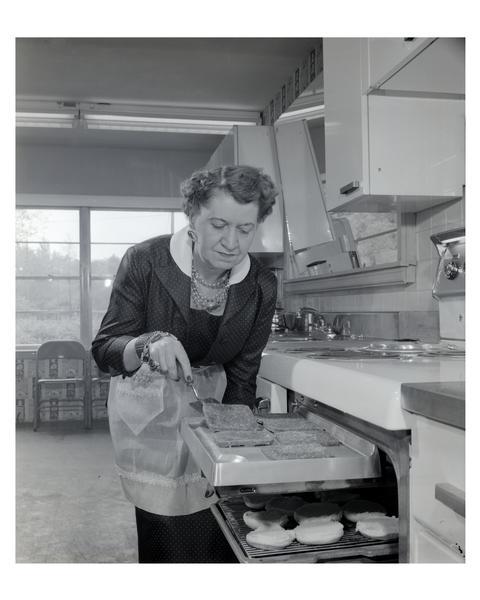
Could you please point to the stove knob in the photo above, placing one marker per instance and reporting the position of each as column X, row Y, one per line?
column 451, row 270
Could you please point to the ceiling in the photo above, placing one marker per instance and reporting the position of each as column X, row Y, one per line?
column 205, row 73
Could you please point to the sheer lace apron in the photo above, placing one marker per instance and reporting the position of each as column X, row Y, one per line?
column 157, row 472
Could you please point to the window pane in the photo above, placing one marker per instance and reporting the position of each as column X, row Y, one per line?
column 47, row 310
column 375, row 236
column 47, row 225
column 180, row 219
column 378, row 250
column 106, row 258
column 364, row 224
column 128, row 227
column 47, row 259
column 101, row 291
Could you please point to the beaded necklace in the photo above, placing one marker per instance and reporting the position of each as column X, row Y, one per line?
column 203, row 302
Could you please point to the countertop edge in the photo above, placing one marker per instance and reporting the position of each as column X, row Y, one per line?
column 429, row 400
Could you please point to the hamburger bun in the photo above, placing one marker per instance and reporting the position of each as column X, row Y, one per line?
column 360, row 510
column 319, row 512
column 270, row 538
column 328, row 532
column 264, row 518
column 379, row 527
column 256, row 501
column 286, row 504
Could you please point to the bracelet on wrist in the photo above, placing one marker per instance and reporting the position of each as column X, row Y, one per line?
column 144, row 344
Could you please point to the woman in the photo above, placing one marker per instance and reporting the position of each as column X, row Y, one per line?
column 191, row 299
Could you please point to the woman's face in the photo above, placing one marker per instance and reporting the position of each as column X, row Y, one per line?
column 225, row 230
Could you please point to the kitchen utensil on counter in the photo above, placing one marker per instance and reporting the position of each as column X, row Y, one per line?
column 278, row 322
column 290, row 320
column 309, row 318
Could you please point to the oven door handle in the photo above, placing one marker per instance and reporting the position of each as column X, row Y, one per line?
column 451, row 496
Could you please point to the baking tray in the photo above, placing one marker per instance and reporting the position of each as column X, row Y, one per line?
column 355, row 459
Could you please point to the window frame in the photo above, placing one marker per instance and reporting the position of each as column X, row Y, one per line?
column 85, row 276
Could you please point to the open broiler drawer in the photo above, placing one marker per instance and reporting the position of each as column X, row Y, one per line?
column 247, row 470
column 241, row 470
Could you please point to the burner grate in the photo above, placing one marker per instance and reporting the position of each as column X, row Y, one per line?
column 351, row 544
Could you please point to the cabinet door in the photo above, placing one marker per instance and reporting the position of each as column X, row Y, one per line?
column 307, row 218
column 416, row 146
column 437, row 458
column 438, row 69
column 255, row 146
column 345, row 120
column 426, row 548
column 387, row 55
column 224, row 153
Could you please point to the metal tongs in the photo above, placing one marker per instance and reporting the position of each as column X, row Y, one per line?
column 199, row 402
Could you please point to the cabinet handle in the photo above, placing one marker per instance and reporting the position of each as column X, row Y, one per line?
column 451, row 496
column 350, row 187
column 408, row 39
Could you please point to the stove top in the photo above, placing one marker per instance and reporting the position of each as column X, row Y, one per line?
column 382, row 350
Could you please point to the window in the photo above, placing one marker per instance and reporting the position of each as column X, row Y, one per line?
column 374, row 236
column 47, row 275
column 50, row 301
column 112, row 233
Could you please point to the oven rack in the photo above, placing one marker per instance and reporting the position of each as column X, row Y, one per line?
column 229, row 515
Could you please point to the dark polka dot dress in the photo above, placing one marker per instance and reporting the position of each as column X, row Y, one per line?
column 194, row 538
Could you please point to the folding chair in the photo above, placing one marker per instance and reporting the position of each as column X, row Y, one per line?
column 58, row 379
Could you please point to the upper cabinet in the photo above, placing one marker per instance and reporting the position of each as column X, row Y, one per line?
column 382, row 150
column 426, row 65
column 386, row 56
column 255, row 146
column 307, row 219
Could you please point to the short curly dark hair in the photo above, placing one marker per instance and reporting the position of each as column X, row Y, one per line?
column 244, row 183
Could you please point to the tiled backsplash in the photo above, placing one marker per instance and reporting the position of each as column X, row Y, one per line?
column 414, row 305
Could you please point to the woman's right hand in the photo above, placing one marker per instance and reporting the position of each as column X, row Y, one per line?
column 171, row 358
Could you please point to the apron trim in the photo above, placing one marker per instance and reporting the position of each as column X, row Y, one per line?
column 155, row 479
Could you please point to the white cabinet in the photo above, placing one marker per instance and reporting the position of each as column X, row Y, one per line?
column 381, row 151
column 425, row 547
column 224, row 153
column 422, row 65
column 346, row 125
column 437, row 491
column 307, row 219
column 255, row 146
column 386, row 56
column 416, row 146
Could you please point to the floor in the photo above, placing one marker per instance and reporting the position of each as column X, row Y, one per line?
column 70, row 506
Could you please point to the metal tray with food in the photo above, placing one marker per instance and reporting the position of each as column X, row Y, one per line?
column 352, row 544
column 352, row 459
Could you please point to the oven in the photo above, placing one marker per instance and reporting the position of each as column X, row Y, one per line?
column 377, row 458
column 370, row 464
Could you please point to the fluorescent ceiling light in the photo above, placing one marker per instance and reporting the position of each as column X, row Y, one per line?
column 159, row 124
column 87, row 120
column 53, row 120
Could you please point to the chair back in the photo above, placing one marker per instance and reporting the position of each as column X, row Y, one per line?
column 61, row 349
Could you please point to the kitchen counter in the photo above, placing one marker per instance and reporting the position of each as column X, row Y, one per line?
column 370, row 389
column 440, row 401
